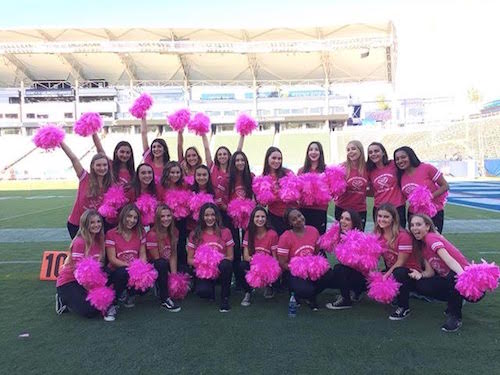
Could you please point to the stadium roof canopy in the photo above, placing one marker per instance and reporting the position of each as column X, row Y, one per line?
column 188, row 57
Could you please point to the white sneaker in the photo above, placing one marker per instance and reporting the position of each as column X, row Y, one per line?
column 110, row 315
column 60, row 306
column 246, row 300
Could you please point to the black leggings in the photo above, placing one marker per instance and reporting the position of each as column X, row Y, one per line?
column 181, row 244
column 228, row 223
column 205, row 288
column 350, row 279
column 315, row 218
column 401, row 213
column 163, row 267
column 74, row 296
column 309, row 289
column 119, row 279
column 362, row 215
column 437, row 219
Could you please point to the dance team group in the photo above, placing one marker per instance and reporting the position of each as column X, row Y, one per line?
column 420, row 259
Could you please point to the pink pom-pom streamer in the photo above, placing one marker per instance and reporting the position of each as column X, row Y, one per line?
column 239, row 211
column 264, row 270
column 478, row 279
column 314, row 189
column 142, row 275
column 178, row 201
column 309, row 267
column 206, row 262
column 179, row 119
column 189, row 180
column 420, row 200
column 330, row 239
column 141, row 105
column 290, row 188
column 88, row 124
column 359, row 250
column 245, row 124
column 146, row 204
column 88, row 273
column 380, row 289
column 101, row 298
column 336, row 180
column 107, row 211
column 200, row 124
column 178, row 285
column 263, row 187
column 114, row 199
column 49, row 137
column 198, row 200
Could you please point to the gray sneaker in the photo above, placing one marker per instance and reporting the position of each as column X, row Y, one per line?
column 269, row 292
column 170, row 305
column 129, row 301
column 246, row 300
column 60, row 306
column 339, row 304
column 110, row 315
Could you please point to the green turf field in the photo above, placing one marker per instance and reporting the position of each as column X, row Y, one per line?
column 260, row 339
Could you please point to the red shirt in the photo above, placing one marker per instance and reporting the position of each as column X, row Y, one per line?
column 322, row 208
column 291, row 245
column 220, row 182
column 402, row 244
column 222, row 243
column 425, row 174
column 384, row 182
column 152, row 244
column 239, row 189
column 355, row 195
column 277, row 207
column 432, row 243
column 126, row 251
column 267, row 244
column 83, row 201
column 124, row 176
column 66, row 273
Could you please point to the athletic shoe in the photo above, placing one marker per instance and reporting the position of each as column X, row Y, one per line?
column 269, row 292
column 313, row 305
column 452, row 324
column 339, row 304
column 224, row 306
column 246, row 300
column 356, row 297
column 399, row 314
column 129, row 301
column 170, row 305
column 110, row 315
column 123, row 297
column 60, row 306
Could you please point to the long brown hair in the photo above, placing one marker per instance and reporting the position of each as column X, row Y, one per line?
column 394, row 226
column 162, row 232
column 252, row 228
column 201, row 225
column 94, row 189
column 89, row 238
column 321, row 161
column 123, row 215
column 417, row 245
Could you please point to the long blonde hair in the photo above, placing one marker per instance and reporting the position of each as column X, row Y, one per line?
column 395, row 227
column 94, row 189
column 361, row 163
column 123, row 215
column 89, row 238
column 162, row 232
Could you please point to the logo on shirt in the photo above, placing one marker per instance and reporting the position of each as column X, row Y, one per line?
column 357, row 183
column 408, row 188
column 382, row 182
column 304, row 251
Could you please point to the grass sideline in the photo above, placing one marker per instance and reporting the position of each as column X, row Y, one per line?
column 258, row 339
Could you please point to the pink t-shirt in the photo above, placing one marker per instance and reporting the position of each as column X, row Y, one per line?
column 314, row 207
column 425, row 174
column 277, row 207
column 152, row 244
column 126, row 251
column 355, row 195
column 239, row 189
column 222, row 243
column 220, row 182
column 267, row 244
column 384, row 182
column 124, row 176
column 158, row 171
column 432, row 243
column 402, row 244
column 83, row 201
column 66, row 273
column 290, row 245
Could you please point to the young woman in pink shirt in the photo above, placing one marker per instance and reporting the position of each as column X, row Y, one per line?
column 314, row 163
column 156, row 155
column 439, row 265
column 122, row 164
column 91, row 187
column 192, row 158
column 209, row 230
column 88, row 243
column 383, row 178
column 357, row 183
column 412, row 173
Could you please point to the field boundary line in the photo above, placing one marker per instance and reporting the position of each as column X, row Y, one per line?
column 34, row 212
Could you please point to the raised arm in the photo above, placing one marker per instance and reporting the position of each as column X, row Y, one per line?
column 180, row 146
column 98, row 144
column 240, row 143
column 208, row 154
column 77, row 166
column 144, row 134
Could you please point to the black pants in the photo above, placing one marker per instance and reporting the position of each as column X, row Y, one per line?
column 238, row 240
column 362, row 215
column 119, row 279
column 441, row 288
column 350, row 279
column 245, row 267
column 309, row 289
column 315, row 218
column 163, row 267
column 181, row 244
column 277, row 223
column 74, row 296
column 205, row 288
column 437, row 219
column 401, row 213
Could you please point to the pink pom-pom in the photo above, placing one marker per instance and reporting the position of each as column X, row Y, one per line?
column 88, row 124
column 318, row 266
column 206, row 262
column 89, row 274
column 200, row 124
column 146, row 204
column 178, row 201
column 478, row 279
column 107, row 211
column 263, row 187
column 101, row 298
column 142, row 275
column 239, row 211
column 290, row 188
column 245, row 124
column 314, row 189
column 420, row 200
column 114, row 199
column 330, row 239
column 198, row 200
column 359, row 250
column 189, row 180
column 380, row 289
column 49, row 137
column 264, row 270
column 336, row 180
column 178, row 285
column 179, row 119
column 141, row 105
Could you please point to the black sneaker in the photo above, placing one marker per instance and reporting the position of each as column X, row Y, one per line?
column 452, row 324
column 356, row 297
column 399, row 314
column 269, row 292
column 60, row 306
column 170, row 305
column 224, row 306
column 339, row 304
column 313, row 305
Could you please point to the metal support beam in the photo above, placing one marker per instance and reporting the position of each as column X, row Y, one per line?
column 21, row 69
column 125, row 58
column 184, row 68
